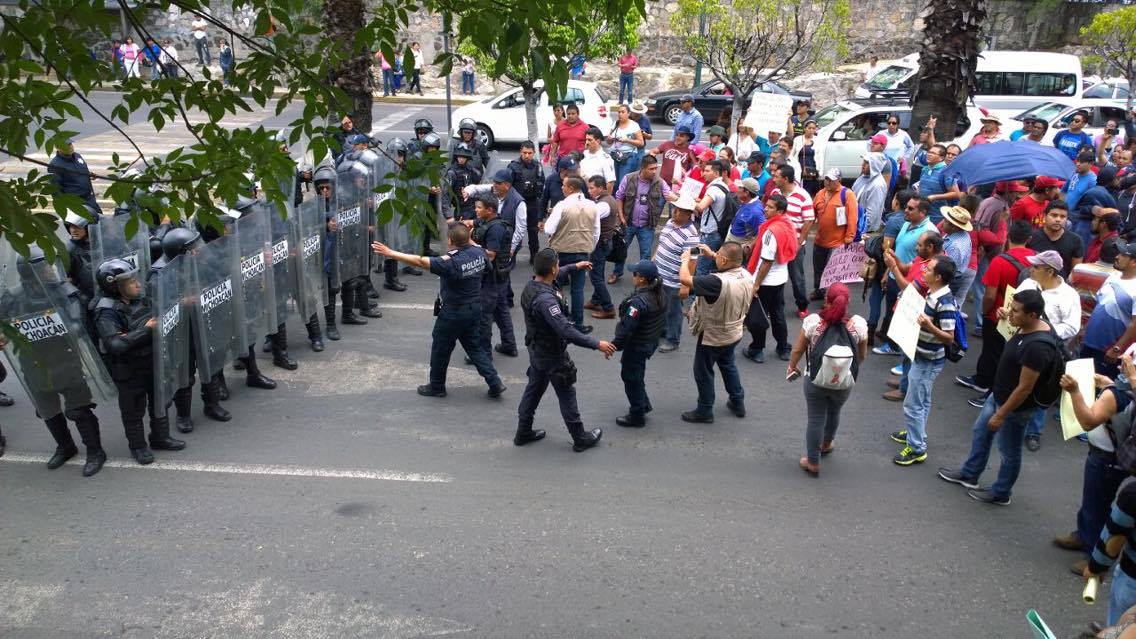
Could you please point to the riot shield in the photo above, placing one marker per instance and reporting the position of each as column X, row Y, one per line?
column 307, row 232
column 168, row 287
column 353, row 200
column 284, row 259
column 396, row 234
column 58, row 365
column 109, row 241
column 218, row 319
column 258, row 293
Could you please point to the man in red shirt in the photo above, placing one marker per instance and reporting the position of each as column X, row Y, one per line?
column 1031, row 208
column 627, row 64
column 1008, row 268
column 1104, row 228
column 677, row 157
column 569, row 134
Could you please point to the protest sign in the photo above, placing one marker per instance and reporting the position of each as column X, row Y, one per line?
column 844, row 265
column 769, row 112
column 904, row 329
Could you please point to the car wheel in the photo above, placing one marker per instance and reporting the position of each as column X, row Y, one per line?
column 485, row 135
column 670, row 114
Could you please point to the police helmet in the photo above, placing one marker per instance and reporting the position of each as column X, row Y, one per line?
column 245, row 202
column 368, row 157
column 431, row 139
column 178, row 241
column 111, row 272
column 422, row 124
column 323, row 173
column 81, row 221
column 467, row 124
column 397, row 145
column 463, row 151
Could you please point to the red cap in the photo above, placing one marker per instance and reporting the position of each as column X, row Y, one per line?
column 1046, row 182
column 879, row 138
column 708, row 155
column 1011, row 186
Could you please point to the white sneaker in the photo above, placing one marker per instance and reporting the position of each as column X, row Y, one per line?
column 897, row 370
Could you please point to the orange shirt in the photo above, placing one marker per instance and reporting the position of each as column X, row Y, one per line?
column 829, row 234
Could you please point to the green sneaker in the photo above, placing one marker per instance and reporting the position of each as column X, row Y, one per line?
column 899, row 437
column 908, row 456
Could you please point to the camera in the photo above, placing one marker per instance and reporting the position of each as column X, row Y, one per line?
column 695, row 252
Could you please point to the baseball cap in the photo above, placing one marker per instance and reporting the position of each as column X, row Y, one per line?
column 751, row 185
column 358, row 138
column 686, row 97
column 1011, row 186
column 503, row 175
column 566, row 162
column 833, row 174
column 1128, row 249
column 708, row 155
column 1052, row 259
column 757, row 157
column 646, row 269
column 1046, row 182
column 684, row 129
column 879, row 138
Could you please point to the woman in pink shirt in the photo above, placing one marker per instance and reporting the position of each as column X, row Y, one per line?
column 130, row 58
column 388, row 74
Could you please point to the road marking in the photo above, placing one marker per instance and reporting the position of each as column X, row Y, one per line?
column 251, row 469
column 408, row 307
column 395, row 118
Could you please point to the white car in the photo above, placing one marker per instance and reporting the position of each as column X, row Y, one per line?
column 502, row 117
column 846, row 126
column 1100, row 112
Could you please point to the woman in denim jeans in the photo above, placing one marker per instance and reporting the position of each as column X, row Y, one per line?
column 824, row 404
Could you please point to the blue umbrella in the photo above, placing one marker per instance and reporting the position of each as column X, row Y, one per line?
column 986, row 163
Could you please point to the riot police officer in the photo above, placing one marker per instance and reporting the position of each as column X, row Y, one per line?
column 467, row 134
column 79, row 268
column 431, row 142
column 178, row 241
column 398, row 149
column 458, row 177
column 125, row 324
column 422, row 128
column 458, row 309
column 528, row 180
column 547, row 335
column 642, row 319
column 323, row 178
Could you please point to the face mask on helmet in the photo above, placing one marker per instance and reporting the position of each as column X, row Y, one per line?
column 432, row 140
column 119, row 278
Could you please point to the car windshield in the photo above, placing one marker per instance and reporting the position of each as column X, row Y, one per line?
column 890, row 77
column 1046, row 112
column 830, row 114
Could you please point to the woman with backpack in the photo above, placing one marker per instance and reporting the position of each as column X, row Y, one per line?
column 835, row 344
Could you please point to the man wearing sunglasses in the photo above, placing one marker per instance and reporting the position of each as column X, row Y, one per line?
column 1071, row 140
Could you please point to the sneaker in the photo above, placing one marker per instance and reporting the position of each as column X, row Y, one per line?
column 968, row 381
column 977, row 402
column 984, row 495
column 1033, row 443
column 784, row 354
column 897, row 370
column 885, row 349
column 908, row 456
column 667, row 347
column 956, row 477
column 899, row 436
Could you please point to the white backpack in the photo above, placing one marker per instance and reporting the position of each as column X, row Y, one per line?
column 833, row 363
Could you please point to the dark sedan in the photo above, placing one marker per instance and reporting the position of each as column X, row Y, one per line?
column 710, row 99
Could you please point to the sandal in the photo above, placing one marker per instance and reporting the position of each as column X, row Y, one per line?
column 812, row 469
column 613, row 278
column 826, row 450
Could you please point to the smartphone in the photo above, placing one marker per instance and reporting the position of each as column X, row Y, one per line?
column 792, row 376
column 695, row 252
column 1113, row 132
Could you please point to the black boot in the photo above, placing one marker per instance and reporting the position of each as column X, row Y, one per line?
column 586, row 440
column 314, row 335
column 280, row 357
column 183, row 403
column 184, row 424
column 160, row 435
column 210, row 394
column 349, row 317
column 222, row 387
column 372, row 292
column 390, row 268
column 253, row 376
column 64, row 446
column 267, row 348
column 871, row 336
column 88, row 426
column 526, row 434
column 142, row 455
column 329, row 318
column 364, row 305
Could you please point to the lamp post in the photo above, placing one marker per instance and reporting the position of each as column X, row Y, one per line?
column 698, row 64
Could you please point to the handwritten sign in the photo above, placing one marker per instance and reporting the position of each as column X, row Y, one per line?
column 1082, row 371
column 844, row 265
column 693, row 188
column 769, row 112
column 904, row 329
column 1004, row 326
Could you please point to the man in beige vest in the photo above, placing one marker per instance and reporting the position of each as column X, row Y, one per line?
column 573, row 228
column 716, row 319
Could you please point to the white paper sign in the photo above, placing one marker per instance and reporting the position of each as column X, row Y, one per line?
column 1082, row 371
column 769, row 112
column 904, row 329
column 693, row 188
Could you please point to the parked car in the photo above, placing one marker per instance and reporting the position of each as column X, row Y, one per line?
column 1058, row 115
column 1112, row 89
column 501, row 118
column 710, row 98
column 846, row 126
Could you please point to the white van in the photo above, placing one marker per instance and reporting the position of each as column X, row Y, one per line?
column 1009, row 82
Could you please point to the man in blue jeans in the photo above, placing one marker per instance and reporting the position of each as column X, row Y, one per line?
column 639, row 202
column 678, row 235
column 711, row 207
column 573, row 228
column 1029, row 355
column 600, row 305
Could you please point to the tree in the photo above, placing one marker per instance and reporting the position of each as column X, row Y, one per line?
column 1112, row 37
column 602, row 40
column 745, row 43
column 948, row 56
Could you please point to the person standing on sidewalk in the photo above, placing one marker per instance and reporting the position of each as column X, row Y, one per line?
column 227, row 60
column 627, row 65
column 415, row 83
column 201, row 40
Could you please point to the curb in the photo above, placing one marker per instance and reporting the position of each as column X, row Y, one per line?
column 378, row 99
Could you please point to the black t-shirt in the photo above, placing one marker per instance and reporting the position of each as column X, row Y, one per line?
column 1069, row 246
column 708, row 286
column 1036, row 353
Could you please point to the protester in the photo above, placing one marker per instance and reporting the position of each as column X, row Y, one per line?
column 1073, row 140
column 639, row 204
column 1111, row 328
column 626, row 140
column 569, row 134
column 934, row 183
column 573, row 229
column 678, row 236
column 677, row 157
column 991, row 130
column 1032, row 207
column 749, row 216
column 991, row 223
column 689, row 118
column 836, row 219
column 1117, row 541
column 956, row 229
column 800, row 213
column 878, row 288
column 1054, row 237
column 871, row 189
column 769, row 262
column 804, row 153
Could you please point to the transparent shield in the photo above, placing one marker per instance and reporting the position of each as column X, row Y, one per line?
column 258, row 294
column 396, row 231
column 218, row 319
column 58, row 364
column 351, row 216
column 110, row 241
column 168, row 290
column 283, row 259
column 308, row 230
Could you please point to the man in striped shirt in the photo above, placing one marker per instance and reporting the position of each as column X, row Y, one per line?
column 800, row 213
column 677, row 236
column 936, row 331
column 1118, row 541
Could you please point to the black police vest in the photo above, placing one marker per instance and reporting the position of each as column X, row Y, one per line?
column 501, row 262
column 527, row 179
column 81, row 271
column 130, row 316
column 654, row 321
column 538, row 333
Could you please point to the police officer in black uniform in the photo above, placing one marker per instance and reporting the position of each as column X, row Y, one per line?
column 355, row 291
column 459, row 176
column 547, row 335
column 494, row 235
column 642, row 319
column 70, row 174
column 467, row 134
column 528, row 180
column 422, row 127
column 79, row 268
column 398, row 150
column 125, row 323
column 458, row 308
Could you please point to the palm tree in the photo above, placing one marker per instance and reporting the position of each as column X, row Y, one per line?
column 342, row 20
column 952, row 34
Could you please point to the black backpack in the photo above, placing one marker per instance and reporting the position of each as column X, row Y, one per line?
column 1023, row 270
column 1120, row 431
column 729, row 210
column 1047, row 389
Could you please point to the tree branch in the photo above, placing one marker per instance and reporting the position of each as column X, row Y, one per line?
column 112, row 178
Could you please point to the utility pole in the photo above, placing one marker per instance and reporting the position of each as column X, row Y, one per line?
column 446, row 18
column 697, row 64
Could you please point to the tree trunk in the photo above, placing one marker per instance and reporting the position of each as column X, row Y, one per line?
column 529, row 93
column 952, row 34
column 342, row 20
column 735, row 117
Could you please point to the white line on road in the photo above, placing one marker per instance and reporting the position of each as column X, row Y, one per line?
column 251, row 469
column 408, row 307
column 394, row 118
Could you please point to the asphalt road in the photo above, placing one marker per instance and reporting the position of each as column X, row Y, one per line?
column 342, row 504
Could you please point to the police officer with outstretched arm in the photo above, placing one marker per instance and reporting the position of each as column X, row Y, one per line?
column 458, row 308
column 642, row 319
column 547, row 335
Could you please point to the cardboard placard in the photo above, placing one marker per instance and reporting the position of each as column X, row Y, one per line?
column 844, row 265
column 769, row 112
column 904, row 329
